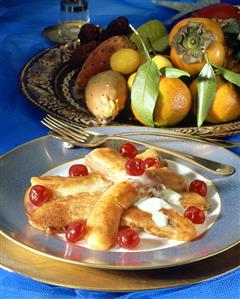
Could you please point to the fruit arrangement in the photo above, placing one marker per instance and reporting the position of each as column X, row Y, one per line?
column 191, row 72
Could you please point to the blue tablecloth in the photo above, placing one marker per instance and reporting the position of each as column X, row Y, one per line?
column 21, row 23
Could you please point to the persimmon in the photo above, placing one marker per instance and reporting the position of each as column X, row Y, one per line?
column 191, row 38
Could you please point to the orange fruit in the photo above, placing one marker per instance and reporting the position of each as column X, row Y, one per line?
column 174, row 102
column 226, row 104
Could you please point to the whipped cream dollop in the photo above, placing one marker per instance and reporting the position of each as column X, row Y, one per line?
column 167, row 199
column 153, row 205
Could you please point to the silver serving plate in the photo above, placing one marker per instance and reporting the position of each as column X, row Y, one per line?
column 48, row 155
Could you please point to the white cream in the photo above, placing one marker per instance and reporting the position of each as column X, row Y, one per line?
column 165, row 199
column 160, row 219
column 171, row 196
column 146, row 185
column 153, row 205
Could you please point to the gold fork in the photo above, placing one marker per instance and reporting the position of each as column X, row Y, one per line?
column 87, row 138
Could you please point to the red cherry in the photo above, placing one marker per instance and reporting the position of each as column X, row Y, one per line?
column 128, row 150
column 75, row 231
column 134, row 167
column 39, row 194
column 196, row 215
column 78, row 170
column 151, row 162
column 127, row 238
column 199, row 187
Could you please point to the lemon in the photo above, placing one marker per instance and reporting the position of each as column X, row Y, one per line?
column 125, row 61
column 161, row 61
column 130, row 80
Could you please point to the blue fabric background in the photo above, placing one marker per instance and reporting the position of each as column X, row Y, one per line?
column 15, row 286
column 21, row 24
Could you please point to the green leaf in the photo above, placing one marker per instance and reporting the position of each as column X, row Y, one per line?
column 206, row 87
column 172, row 72
column 230, row 76
column 141, row 40
column 145, row 91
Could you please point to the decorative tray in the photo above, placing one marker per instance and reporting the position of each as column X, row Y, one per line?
column 48, row 81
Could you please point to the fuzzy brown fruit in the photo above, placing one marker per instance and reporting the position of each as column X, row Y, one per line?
column 106, row 94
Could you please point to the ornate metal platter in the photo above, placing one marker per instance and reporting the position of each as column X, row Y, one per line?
column 48, row 81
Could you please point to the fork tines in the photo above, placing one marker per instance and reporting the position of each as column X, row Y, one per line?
column 64, row 130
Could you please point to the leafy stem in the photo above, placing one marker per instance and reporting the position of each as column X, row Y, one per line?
column 140, row 38
column 228, row 75
column 207, row 86
column 206, row 90
column 145, row 89
column 206, row 57
column 151, row 46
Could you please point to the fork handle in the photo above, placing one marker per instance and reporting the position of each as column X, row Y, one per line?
column 224, row 143
column 209, row 165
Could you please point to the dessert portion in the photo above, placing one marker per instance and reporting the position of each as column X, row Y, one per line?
column 55, row 215
column 112, row 195
column 104, row 219
column 62, row 187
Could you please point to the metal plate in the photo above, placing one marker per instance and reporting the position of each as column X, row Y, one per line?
column 71, row 30
column 44, row 154
column 48, row 81
column 51, row 271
